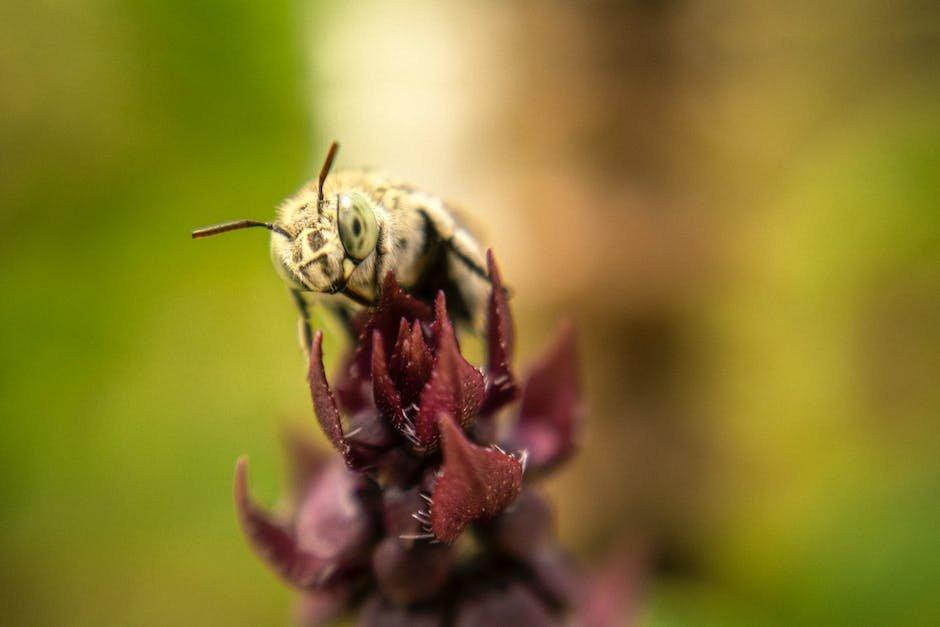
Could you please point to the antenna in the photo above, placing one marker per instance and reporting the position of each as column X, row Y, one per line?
column 206, row 231
column 325, row 170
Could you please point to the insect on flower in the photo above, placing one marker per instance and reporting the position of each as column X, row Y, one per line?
column 344, row 232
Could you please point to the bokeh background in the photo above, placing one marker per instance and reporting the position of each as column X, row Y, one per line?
column 737, row 202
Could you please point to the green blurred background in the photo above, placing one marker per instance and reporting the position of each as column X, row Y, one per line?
column 737, row 202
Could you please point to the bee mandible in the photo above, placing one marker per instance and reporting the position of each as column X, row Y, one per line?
column 344, row 232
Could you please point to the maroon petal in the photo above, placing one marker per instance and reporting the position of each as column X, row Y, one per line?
column 512, row 605
column 324, row 403
column 383, row 388
column 454, row 388
column 476, row 483
column 501, row 386
column 412, row 573
column 550, row 411
column 273, row 542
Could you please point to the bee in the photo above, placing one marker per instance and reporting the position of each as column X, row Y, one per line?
column 344, row 232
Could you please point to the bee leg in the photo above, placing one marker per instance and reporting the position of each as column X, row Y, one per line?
column 304, row 331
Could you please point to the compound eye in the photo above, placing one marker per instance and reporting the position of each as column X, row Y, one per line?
column 358, row 230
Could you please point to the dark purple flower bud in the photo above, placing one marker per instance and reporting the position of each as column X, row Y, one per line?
column 470, row 380
column 476, row 483
column 411, row 573
column 501, row 387
column 551, row 406
column 328, row 539
column 514, row 604
column 455, row 387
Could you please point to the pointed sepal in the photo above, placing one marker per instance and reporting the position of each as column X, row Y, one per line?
column 324, row 403
column 475, row 483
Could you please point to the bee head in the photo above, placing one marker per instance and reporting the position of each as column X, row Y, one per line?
column 330, row 238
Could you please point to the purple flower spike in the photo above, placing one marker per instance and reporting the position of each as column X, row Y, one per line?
column 476, row 483
column 551, row 407
column 374, row 540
